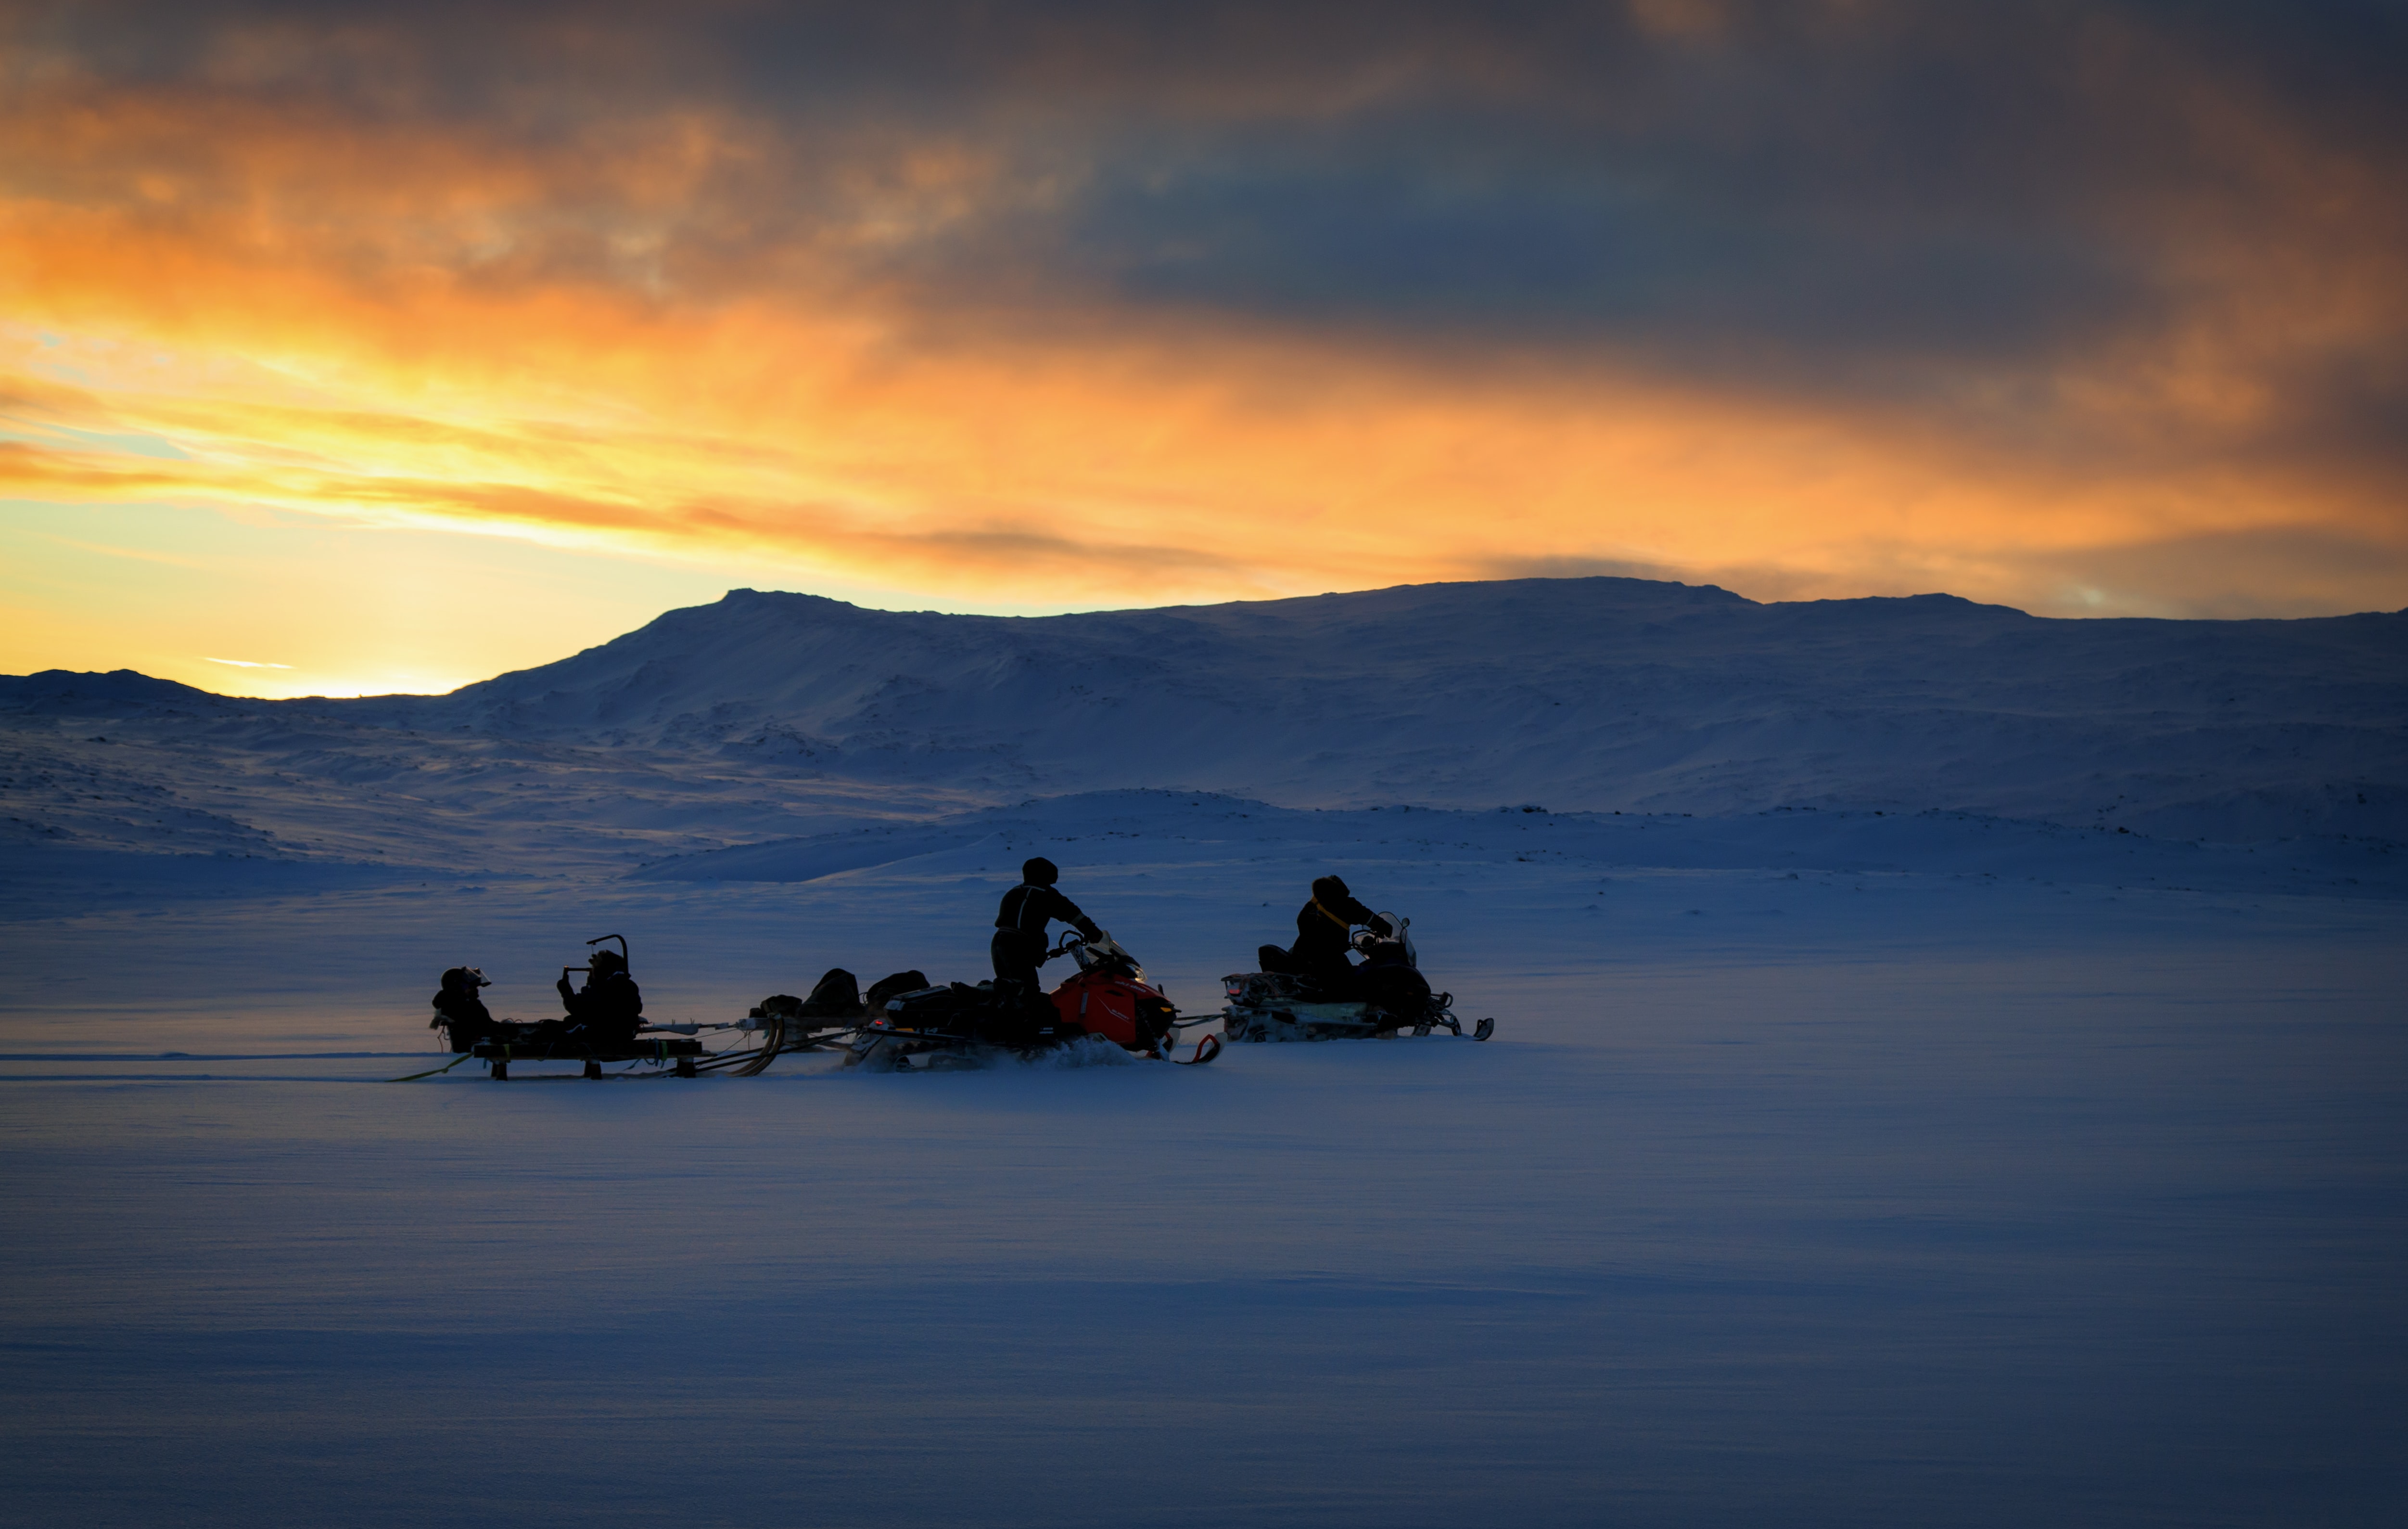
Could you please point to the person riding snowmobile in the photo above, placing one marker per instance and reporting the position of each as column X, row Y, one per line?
column 1018, row 947
column 1321, row 937
column 459, row 1013
column 604, row 1013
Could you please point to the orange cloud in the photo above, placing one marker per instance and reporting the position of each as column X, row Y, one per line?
column 406, row 323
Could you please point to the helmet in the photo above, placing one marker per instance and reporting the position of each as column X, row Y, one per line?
column 1329, row 886
column 465, row 979
column 607, row 961
column 1040, row 871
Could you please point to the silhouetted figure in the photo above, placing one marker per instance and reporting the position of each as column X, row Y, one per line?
column 603, row 1015
column 1019, row 944
column 1322, row 926
column 459, row 1013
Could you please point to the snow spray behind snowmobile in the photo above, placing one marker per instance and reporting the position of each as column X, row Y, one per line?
column 1106, row 999
column 1385, row 996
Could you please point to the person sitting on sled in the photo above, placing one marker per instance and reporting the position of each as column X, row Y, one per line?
column 1019, row 944
column 1322, row 926
column 459, row 1013
column 603, row 1014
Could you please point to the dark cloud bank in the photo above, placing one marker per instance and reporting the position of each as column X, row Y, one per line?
column 1993, row 217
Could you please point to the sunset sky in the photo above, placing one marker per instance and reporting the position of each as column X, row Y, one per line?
column 364, row 347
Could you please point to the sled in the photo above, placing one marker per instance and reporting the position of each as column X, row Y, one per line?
column 499, row 1054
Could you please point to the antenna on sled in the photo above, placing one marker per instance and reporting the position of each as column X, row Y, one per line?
column 623, row 958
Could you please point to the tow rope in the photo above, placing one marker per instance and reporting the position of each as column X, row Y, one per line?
column 433, row 1071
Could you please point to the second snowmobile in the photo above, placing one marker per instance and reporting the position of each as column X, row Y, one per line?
column 1385, row 996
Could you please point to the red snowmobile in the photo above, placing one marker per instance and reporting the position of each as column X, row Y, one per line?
column 1107, row 997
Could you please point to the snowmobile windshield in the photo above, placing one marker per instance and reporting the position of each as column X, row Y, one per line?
column 1106, row 954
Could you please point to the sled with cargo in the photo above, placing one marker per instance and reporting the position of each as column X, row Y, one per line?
column 650, row 1049
column 903, row 1024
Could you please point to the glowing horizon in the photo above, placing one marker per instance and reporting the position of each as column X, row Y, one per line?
column 311, row 325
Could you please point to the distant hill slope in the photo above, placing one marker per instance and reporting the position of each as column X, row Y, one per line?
column 1578, row 694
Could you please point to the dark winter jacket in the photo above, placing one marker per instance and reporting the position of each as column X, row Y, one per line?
column 1321, row 925
column 610, row 1007
column 462, row 1016
column 1027, row 909
column 1019, row 943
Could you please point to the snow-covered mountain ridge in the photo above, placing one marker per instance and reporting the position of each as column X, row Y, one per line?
column 770, row 714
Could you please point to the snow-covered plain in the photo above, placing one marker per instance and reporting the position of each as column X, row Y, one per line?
column 1870, row 1147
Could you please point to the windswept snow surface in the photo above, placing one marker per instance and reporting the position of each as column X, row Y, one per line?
column 1945, row 1157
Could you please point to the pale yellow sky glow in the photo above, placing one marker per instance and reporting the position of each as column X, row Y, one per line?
column 382, row 399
